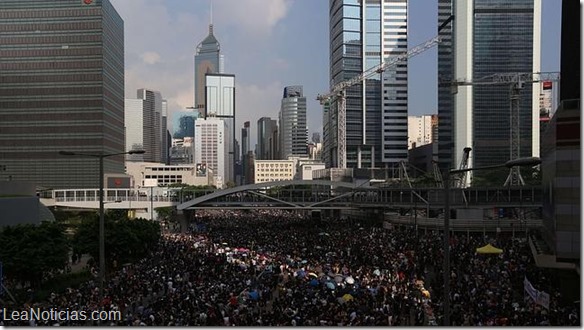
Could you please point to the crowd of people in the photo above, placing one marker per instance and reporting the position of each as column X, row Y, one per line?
column 278, row 268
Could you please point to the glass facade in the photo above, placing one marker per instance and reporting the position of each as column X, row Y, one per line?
column 292, row 129
column 503, row 42
column 362, row 33
column 208, row 59
column 62, row 78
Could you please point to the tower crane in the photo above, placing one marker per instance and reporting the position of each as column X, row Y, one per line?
column 516, row 81
column 337, row 93
column 463, row 165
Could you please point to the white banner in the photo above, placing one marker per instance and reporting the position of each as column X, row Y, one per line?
column 543, row 299
column 529, row 289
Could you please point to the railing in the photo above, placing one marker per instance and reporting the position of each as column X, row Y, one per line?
column 467, row 224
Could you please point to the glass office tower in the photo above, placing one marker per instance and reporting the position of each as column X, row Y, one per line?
column 208, row 59
column 62, row 78
column 488, row 37
column 362, row 34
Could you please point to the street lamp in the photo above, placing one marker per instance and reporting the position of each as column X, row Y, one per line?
column 527, row 161
column 101, row 203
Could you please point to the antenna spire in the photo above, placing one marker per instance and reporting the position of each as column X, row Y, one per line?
column 211, row 13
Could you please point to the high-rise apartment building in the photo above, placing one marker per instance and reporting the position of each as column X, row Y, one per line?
column 144, row 120
column 62, row 78
column 362, row 34
column 208, row 59
column 211, row 149
column 267, row 144
column 293, row 134
column 488, row 37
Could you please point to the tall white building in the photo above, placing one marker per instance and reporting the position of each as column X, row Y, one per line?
column 143, row 125
column 419, row 130
column 293, row 139
column 220, row 103
column 362, row 34
column 211, row 149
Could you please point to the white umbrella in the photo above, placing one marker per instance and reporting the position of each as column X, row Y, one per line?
column 350, row 280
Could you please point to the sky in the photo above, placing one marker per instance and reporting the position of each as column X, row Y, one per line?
column 268, row 45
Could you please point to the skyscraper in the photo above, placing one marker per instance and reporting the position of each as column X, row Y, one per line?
column 293, row 135
column 245, row 149
column 62, row 84
column 362, row 34
column 144, row 126
column 164, row 143
column 267, row 143
column 220, row 103
column 210, row 147
column 489, row 37
column 208, row 59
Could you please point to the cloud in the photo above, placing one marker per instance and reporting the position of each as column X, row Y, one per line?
column 160, row 43
column 150, row 57
column 279, row 64
column 256, row 101
column 257, row 17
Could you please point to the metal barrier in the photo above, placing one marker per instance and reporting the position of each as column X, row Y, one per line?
column 507, row 225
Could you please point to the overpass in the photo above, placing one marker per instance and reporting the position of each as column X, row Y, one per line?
column 297, row 195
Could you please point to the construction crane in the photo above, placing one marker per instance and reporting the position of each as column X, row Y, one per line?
column 461, row 183
column 516, row 81
column 338, row 93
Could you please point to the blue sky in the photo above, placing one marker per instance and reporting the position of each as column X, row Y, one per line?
column 270, row 44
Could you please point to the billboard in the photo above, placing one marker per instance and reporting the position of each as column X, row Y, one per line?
column 119, row 182
column 201, row 169
column 150, row 182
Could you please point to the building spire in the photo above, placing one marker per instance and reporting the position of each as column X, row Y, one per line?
column 211, row 17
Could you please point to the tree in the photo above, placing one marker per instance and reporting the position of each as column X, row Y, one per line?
column 29, row 252
column 125, row 240
column 164, row 212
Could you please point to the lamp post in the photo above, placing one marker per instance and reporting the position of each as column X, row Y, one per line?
column 528, row 161
column 101, row 203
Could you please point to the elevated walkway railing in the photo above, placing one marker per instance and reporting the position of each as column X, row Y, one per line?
column 507, row 225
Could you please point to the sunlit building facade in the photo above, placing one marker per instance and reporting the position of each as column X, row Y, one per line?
column 362, row 34
column 62, row 79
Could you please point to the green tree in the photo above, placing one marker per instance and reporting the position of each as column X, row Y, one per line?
column 164, row 212
column 29, row 252
column 125, row 240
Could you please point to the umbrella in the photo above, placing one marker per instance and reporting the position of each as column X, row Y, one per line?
column 304, row 261
column 330, row 285
column 301, row 273
column 312, row 275
column 350, row 280
column 224, row 243
column 254, row 295
column 314, row 282
column 376, row 272
column 338, row 278
column 347, row 297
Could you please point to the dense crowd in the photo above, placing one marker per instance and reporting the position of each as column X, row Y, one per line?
column 274, row 268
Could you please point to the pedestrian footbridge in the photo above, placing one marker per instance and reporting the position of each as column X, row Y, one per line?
column 296, row 194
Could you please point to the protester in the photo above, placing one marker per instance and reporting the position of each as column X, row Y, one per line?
column 278, row 268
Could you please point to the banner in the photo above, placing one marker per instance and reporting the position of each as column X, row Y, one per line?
column 529, row 289
column 543, row 299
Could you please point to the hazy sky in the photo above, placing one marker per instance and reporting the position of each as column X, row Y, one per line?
column 270, row 44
